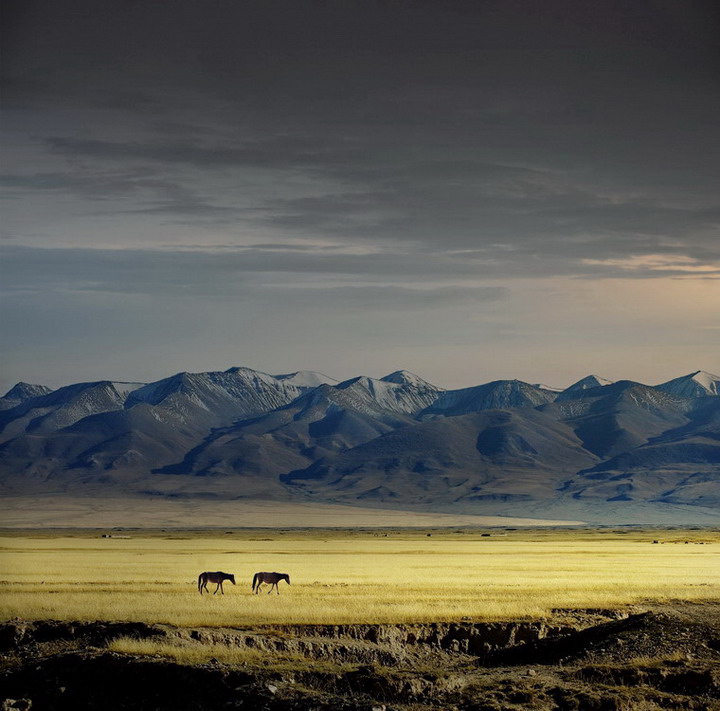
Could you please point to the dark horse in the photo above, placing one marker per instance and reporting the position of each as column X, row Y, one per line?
column 271, row 578
column 205, row 578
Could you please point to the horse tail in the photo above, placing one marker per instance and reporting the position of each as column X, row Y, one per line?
column 255, row 580
column 200, row 581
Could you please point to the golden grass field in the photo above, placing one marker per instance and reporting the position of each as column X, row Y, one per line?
column 350, row 576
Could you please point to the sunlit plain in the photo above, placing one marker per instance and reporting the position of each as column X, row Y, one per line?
column 346, row 577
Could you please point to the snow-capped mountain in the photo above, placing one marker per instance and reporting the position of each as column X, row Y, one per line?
column 405, row 377
column 503, row 447
column 22, row 392
column 63, row 407
column 498, row 394
column 587, row 383
column 547, row 388
column 306, row 379
column 223, row 395
column 399, row 392
column 697, row 384
column 321, row 423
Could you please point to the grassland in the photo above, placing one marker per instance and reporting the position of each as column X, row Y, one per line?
column 350, row 576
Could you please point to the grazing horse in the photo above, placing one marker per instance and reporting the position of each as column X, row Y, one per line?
column 271, row 578
column 218, row 578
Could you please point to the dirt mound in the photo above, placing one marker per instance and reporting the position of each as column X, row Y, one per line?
column 648, row 634
column 648, row 661
column 380, row 644
column 16, row 634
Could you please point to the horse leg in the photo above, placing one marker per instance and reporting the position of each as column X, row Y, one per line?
column 217, row 587
column 222, row 592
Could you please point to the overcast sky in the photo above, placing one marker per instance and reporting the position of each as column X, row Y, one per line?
column 467, row 189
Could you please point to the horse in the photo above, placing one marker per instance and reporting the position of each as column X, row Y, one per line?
column 271, row 578
column 218, row 578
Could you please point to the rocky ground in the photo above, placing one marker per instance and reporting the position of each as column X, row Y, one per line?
column 664, row 657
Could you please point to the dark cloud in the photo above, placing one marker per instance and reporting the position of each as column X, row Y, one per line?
column 397, row 279
column 357, row 151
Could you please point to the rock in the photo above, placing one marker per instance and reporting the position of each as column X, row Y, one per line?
column 531, row 672
column 272, row 688
column 11, row 635
column 17, row 705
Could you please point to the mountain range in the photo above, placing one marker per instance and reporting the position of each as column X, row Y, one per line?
column 598, row 450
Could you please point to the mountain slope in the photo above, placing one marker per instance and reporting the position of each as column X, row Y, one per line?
column 117, row 442
column 320, row 424
column 131, row 428
column 63, row 407
column 20, row 392
column 497, row 394
column 616, row 418
column 597, row 450
column 399, row 395
column 306, row 379
column 697, row 384
column 237, row 392
column 492, row 455
column 577, row 389
column 681, row 466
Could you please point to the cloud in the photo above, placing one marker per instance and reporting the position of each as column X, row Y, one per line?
column 260, row 272
column 387, row 158
column 545, row 217
column 678, row 264
column 372, row 280
column 384, row 298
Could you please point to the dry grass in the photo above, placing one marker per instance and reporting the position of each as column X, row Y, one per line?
column 350, row 577
column 185, row 652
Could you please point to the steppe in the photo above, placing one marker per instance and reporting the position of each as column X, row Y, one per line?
column 397, row 618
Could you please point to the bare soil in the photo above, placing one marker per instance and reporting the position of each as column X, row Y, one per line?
column 663, row 657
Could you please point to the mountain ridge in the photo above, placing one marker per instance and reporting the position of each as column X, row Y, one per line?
column 503, row 446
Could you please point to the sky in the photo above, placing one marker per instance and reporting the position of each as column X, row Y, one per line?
column 470, row 190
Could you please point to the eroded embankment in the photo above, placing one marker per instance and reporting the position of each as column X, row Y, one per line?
column 382, row 644
column 644, row 661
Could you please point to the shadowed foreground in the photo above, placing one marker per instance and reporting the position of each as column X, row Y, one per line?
column 664, row 658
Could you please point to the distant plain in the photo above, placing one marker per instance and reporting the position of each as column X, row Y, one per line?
column 351, row 576
column 88, row 511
